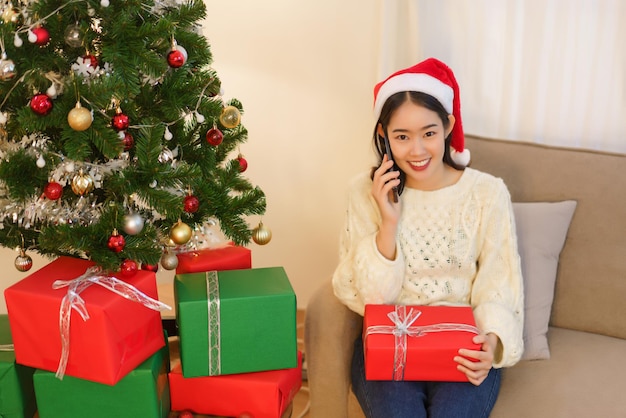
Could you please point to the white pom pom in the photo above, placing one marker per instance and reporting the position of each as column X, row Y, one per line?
column 104, row 3
column 461, row 158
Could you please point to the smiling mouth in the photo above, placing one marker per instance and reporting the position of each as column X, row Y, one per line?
column 419, row 163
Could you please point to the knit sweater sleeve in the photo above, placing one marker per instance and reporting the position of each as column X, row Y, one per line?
column 497, row 291
column 363, row 275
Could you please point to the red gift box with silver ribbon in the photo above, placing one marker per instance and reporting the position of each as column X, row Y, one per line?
column 71, row 318
column 416, row 343
column 264, row 394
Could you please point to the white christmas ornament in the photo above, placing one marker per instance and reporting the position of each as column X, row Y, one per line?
column 17, row 41
column 52, row 91
column 32, row 38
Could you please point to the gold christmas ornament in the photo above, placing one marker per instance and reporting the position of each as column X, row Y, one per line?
column 261, row 234
column 7, row 68
column 11, row 15
column 82, row 183
column 23, row 262
column 230, row 117
column 79, row 118
column 180, row 233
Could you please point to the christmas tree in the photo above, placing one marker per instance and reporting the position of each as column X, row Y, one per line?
column 115, row 141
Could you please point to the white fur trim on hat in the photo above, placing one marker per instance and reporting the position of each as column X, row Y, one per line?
column 414, row 82
column 461, row 158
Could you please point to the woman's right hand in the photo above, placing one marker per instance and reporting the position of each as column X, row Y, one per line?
column 382, row 183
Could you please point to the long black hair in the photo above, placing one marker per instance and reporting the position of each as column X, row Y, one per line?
column 390, row 106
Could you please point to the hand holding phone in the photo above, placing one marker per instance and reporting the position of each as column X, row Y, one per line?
column 394, row 190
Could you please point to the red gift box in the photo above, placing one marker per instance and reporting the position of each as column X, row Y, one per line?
column 231, row 257
column 118, row 335
column 416, row 342
column 260, row 394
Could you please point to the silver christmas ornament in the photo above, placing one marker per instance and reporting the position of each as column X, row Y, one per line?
column 169, row 260
column 133, row 223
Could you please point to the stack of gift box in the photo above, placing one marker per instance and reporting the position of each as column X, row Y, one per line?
column 237, row 336
column 86, row 344
column 79, row 342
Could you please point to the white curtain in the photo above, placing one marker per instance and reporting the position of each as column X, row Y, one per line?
column 545, row 71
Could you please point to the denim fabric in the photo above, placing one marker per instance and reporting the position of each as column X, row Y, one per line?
column 389, row 399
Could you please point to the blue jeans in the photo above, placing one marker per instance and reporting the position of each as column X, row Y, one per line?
column 389, row 399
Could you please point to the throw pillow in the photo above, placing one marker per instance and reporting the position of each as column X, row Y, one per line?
column 541, row 231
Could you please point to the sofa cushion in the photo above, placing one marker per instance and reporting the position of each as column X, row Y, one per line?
column 541, row 231
column 585, row 377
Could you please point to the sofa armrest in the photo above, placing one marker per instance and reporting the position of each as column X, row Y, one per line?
column 329, row 333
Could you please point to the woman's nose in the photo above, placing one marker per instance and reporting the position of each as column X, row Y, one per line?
column 417, row 146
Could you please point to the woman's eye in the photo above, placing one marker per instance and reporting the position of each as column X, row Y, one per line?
column 429, row 133
column 402, row 137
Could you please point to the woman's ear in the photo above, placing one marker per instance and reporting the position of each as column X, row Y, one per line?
column 451, row 121
column 380, row 131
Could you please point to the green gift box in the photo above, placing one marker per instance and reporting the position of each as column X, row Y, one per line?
column 235, row 321
column 17, row 395
column 144, row 392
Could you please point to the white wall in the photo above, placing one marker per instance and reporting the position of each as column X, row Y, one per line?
column 304, row 72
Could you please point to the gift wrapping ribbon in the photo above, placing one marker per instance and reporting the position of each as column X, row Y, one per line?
column 72, row 300
column 403, row 327
column 6, row 347
column 213, row 322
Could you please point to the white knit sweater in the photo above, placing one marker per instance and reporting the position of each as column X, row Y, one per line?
column 456, row 246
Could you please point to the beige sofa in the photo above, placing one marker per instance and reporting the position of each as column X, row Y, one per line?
column 585, row 375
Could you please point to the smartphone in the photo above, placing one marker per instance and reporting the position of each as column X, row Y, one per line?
column 394, row 190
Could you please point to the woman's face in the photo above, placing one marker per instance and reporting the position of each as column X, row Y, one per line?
column 417, row 140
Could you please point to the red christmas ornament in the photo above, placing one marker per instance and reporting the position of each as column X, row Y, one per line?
column 128, row 268
column 90, row 60
column 42, row 35
column 192, row 204
column 53, row 190
column 214, row 136
column 41, row 104
column 129, row 141
column 120, row 121
column 176, row 58
column 150, row 267
column 116, row 242
column 243, row 163
column 185, row 414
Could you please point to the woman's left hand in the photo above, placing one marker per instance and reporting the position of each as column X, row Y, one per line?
column 477, row 364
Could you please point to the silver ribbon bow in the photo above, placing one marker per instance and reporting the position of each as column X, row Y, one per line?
column 72, row 300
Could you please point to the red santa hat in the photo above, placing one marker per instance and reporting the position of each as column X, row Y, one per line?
column 436, row 79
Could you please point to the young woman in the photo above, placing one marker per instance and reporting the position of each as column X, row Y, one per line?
column 449, row 239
